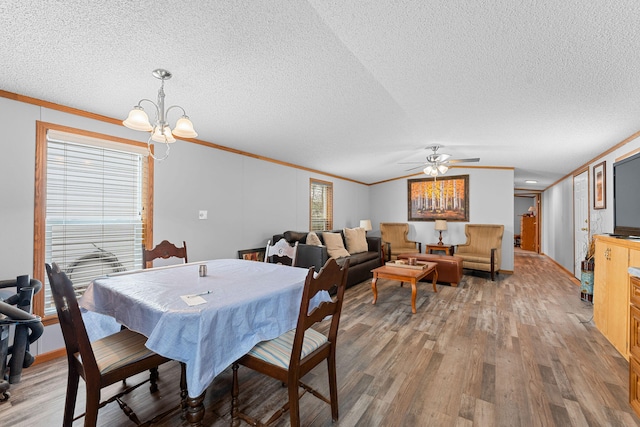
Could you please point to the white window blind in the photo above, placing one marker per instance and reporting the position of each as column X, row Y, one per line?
column 94, row 223
column 321, row 206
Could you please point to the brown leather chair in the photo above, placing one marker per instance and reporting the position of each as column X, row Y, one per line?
column 165, row 250
column 395, row 241
column 292, row 355
column 482, row 251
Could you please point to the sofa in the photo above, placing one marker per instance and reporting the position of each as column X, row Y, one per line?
column 360, row 264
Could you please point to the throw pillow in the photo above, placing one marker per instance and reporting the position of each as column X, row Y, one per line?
column 356, row 240
column 335, row 247
column 313, row 239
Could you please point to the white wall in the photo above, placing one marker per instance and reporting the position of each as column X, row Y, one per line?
column 247, row 200
column 557, row 205
column 557, row 223
column 490, row 202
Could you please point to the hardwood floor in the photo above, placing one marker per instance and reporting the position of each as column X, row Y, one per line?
column 521, row 351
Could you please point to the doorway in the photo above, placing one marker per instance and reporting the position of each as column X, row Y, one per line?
column 580, row 219
column 527, row 222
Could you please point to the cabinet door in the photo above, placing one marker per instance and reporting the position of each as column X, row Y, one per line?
column 618, row 283
column 528, row 233
column 611, row 295
column 600, row 298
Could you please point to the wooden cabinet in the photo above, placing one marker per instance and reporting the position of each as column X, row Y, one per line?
column 611, row 292
column 529, row 233
column 634, row 343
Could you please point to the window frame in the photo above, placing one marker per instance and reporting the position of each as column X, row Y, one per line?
column 329, row 219
column 39, row 222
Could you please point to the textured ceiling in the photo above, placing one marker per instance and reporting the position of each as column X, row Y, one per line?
column 350, row 87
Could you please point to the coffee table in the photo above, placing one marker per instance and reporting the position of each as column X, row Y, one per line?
column 404, row 274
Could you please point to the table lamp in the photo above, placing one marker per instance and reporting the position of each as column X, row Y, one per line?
column 441, row 225
column 366, row 224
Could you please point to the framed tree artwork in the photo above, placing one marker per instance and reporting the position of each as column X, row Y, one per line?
column 431, row 198
column 256, row 254
column 600, row 186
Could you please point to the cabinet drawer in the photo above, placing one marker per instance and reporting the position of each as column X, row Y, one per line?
column 634, row 332
column 635, row 290
column 634, row 384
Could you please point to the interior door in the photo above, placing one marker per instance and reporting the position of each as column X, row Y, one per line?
column 580, row 218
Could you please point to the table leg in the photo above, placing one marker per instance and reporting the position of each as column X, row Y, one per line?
column 435, row 280
column 195, row 410
column 414, row 292
column 374, row 289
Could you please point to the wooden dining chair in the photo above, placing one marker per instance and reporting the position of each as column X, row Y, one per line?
column 100, row 363
column 281, row 253
column 290, row 356
column 165, row 250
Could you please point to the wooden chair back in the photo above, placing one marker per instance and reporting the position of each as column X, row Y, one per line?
column 331, row 278
column 281, row 253
column 74, row 332
column 165, row 250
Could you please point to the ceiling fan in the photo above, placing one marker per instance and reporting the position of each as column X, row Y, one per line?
column 438, row 163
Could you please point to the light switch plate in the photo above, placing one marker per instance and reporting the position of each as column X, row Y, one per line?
column 202, row 215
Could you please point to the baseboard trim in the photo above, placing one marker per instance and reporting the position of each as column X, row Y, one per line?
column 50, row 355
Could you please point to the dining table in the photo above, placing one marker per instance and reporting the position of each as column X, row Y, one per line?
column 204, row 321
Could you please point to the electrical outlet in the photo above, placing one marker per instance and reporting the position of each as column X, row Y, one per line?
column 202, row 215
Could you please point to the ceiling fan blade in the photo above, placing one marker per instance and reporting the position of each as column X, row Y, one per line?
column 411, row 163
column 417, row 167
column 476, row 159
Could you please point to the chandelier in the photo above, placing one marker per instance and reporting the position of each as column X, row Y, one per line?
column 160, row 131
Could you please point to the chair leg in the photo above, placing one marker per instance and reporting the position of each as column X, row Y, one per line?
column 235, row 421
column 333, row 385
column 294, row 404
column 93, row 404
column 153, row 379
column 184, row 394
column 72, row 393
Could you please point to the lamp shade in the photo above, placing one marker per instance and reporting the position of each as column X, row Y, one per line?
column 441, row 225
column 366, row 224
column 138, row 120
column 184, row 128
column 159, row 137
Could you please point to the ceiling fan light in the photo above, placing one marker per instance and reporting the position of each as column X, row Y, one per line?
column 428, row 170
column 166, row 138
column 138, row 120
column 443, row 169
column 184, row 128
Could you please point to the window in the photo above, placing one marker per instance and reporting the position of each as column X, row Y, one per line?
column 321, row 205
column 94, row 214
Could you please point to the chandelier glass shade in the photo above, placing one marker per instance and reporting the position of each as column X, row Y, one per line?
column 160, row 131
column 435, row 170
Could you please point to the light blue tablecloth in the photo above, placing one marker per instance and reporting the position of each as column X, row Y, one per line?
column 250, row 302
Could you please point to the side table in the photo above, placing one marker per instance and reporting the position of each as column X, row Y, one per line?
column 434, row 247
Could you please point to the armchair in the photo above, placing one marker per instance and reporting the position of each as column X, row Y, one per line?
column 394, row 237
column 482, row 251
